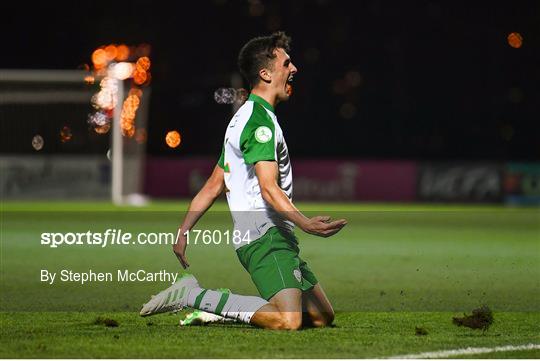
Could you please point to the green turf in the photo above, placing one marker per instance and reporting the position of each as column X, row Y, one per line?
column 392, row 268
column 357, row 335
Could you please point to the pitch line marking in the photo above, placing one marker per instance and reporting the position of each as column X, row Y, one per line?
column 467, row 351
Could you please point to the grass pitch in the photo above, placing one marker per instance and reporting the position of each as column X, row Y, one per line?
column 392, row 269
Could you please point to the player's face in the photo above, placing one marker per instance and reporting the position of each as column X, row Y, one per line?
column 282, row 75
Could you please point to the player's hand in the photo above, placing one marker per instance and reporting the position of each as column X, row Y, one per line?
column 179, row 248
column 323, row 226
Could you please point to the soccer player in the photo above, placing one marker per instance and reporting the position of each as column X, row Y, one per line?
column 255, row 171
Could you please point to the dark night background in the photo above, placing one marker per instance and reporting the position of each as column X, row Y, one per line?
column 427, row 80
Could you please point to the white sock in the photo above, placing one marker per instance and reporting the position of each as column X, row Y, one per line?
column 228, row 305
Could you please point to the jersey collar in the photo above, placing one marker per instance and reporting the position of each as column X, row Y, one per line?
column 261, row 101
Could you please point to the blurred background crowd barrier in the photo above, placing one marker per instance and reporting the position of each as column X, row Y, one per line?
column 371, row 181
column 89, row 177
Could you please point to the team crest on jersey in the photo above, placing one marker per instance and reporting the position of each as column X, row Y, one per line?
column 263, row 134
column 298, row 275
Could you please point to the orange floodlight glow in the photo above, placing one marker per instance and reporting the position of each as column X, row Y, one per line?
column 122, row 52
column 128, row 132
column 129, row 110
column 111, row 64
column 515, row 40
column 89, row 79
column 99, row 58
column 127, row 125
column 173, row 139
column 111, row 52
column 135, row 91
column 139, row 76
column 143, row 63
column 103, row 129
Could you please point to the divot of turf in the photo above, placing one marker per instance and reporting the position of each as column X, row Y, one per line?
column 481, row 319
column 108, row 322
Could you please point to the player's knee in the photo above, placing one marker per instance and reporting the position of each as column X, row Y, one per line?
column 290, row 321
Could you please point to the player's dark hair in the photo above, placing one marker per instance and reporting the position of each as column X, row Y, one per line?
column 258, row 52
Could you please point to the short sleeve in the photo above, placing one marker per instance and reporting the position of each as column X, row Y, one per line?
column 221, row 160
column 257, row 141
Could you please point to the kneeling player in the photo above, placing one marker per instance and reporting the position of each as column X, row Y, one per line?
column 254, row 168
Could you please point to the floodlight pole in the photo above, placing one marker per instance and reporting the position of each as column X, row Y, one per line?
column 117, row 148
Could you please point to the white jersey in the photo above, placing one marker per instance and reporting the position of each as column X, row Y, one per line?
column 254, row 135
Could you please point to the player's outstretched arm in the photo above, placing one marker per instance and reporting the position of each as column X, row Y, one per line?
column 199, row 205
column 267, row 173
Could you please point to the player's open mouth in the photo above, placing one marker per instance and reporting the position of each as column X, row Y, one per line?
column 288, row 85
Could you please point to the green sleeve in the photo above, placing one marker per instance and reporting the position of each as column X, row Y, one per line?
column 257, row 141
column 221, row 161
